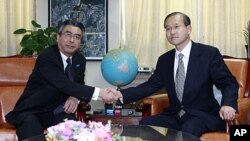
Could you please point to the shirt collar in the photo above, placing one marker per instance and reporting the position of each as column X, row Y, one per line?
column 64, row 57
column 186, row 50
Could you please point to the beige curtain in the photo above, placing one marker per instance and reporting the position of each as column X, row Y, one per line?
column 14, row 14
column 216, row 22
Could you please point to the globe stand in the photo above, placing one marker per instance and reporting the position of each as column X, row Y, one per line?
column 118, row 105
column 115, row 108
column 119, row 67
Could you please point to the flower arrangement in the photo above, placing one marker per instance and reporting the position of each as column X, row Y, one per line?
column 71, row 130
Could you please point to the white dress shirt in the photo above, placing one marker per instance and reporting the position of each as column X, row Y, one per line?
column 186, row 53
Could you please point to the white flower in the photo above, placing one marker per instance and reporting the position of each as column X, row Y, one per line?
column 71, row 130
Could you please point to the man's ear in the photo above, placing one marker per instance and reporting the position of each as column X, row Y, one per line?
column 58, row 36
column 189, row 27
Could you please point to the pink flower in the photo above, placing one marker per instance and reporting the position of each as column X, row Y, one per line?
column 79, row 131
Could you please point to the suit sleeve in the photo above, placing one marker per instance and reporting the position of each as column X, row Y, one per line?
column 50, row 70
column 145, row 89
column 224, row 80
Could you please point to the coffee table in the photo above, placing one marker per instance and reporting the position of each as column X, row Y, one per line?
column 142, row 133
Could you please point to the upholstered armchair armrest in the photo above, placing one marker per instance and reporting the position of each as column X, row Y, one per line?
column 152, row 105
column 243, row 117
column 219, row 135
column 83, row 107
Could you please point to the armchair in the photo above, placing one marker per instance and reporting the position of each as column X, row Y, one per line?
column 14, row 74
column 240, row 68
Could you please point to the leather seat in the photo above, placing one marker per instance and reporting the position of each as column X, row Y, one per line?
column 240, row 68
column 14, row 74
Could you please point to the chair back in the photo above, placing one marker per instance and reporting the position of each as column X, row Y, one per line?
column 239, row 69
column 14, row 74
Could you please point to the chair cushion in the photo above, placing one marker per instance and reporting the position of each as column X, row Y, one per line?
column 215, row 136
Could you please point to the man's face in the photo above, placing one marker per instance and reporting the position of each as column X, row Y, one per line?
column 176, row 31
column 69, row 40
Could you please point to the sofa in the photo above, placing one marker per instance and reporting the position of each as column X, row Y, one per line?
column 240, row 68
column 14, row 74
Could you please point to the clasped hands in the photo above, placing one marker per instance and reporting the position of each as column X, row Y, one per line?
column 109, row 95
column 227, row 113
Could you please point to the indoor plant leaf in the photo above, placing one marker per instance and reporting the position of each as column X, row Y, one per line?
column 26, row 51
column 35, row 24
column 25, row 38
column 37, row 39
column 39, row 49
column 50, row 30
column 40, row 32
column 246, row 32
column 20, row 31
column 52, row 41
column 31, row 44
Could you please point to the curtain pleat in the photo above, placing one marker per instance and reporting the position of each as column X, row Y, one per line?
column 14, row 14
column 219, row 23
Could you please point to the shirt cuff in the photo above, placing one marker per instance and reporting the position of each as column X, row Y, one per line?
column 121, row 100
column 96, row 94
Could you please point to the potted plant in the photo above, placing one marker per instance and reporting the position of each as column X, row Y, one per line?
column 35, row 41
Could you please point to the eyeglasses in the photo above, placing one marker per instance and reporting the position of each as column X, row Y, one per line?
column 69, row 35
column 170, row 28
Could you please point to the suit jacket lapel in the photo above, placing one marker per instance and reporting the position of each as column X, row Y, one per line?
column 171, row 70
column 75, row 65
column 191, row 71
column 170, row 77
column 58, row 57
column 78, row 66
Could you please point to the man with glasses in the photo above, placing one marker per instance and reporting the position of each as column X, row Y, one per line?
column 55, row 86
column 188, row 74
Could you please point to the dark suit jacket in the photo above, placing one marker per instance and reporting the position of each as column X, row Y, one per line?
column 48, row 86
column 205, row 68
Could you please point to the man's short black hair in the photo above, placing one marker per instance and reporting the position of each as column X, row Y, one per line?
column 73, row 23
column 186, row 19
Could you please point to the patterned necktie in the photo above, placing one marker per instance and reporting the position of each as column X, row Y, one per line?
column 180, row 80
column 68, row 70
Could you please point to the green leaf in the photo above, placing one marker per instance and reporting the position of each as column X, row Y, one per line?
column 52, row 41
column 26, row 51
column 50, row 30
column 20, row 31
column 31, row 44
column 42, row 39
column 40, row 49
column 246, row 32
column 25, row 39
column 37, row 40
column 35, row 24
column 40, row 31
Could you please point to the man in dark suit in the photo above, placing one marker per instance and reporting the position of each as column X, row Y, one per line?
column 51, row 95
column 196, row 111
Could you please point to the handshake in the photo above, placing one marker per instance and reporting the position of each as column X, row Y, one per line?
column 110, row 95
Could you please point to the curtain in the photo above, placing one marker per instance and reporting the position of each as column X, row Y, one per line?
column 14, row 14
column 219, row 23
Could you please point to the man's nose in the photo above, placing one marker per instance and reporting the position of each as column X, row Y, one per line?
column 72, row 39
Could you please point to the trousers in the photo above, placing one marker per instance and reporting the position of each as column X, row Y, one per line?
column 34, row 124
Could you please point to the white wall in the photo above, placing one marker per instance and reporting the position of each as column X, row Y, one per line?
column 93, row 70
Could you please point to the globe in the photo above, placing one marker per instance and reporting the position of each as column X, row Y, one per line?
column 119, row 67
